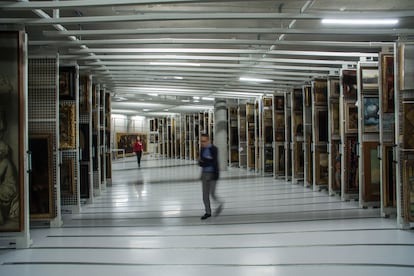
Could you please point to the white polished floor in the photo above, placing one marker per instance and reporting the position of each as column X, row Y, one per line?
column 148, row 223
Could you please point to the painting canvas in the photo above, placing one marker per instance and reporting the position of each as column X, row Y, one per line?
column 369, row 78
column 12, row 132
column 67, row 180
column 67, row 126
column 351, row 165
column 320, row 92
column 126, row 142
column 321, row 168
column 408, row 124
column 351, row 124
column 387, row 67
column 41, row 177
column 372, row 175
column 408, row 188
column 371, row 114
column 349, row 84
column 84, row 142
column 67, row 82
column 322, row 125
column 406, row 61
column 334, row 88
column 279, row 103
column 335, row 129
column 84, row 93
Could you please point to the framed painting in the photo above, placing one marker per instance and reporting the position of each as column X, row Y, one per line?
column 408, row 123
column 321, row 129
column 369, row 78
column 387, row 68
column 67, row 82
column 349, row 84
column 67, row 126
column 279, row 103
column 279, row 136
column 321, row 167
column 371, row 114
column 334, row 88
column 351, row 118
column 307, row 96
column 309, row 159
column 406, row 61
column 12, row 149
column 372, row 174
column 126, row 142
column 67, row 179
column 351, row 164
column 408, row 190
column 336, row 165
column 41, row 177
column 84, row 93
column 298, row 124
column 280, row 121
column 334, row 118
column 320, row 90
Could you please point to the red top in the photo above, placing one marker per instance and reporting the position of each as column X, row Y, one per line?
column 137, row 146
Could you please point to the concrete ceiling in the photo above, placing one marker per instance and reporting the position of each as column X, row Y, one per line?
column 168, row 56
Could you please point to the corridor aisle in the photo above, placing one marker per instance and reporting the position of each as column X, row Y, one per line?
column 148, row 223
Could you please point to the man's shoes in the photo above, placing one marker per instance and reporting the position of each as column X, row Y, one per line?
column 205, row 216
column 218, row 210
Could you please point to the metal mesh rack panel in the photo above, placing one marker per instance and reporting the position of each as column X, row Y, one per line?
column 42, row 91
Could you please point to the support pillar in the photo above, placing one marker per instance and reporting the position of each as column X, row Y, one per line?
column 220, row 131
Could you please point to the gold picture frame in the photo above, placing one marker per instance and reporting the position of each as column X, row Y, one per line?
column 67, row 179
column 12, row 126
column 67, row 132
column 351, row 117
column 67, row 81
column 387, row 68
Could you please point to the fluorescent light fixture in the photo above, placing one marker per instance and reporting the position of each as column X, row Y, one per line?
column 153, row 94
column 207, row 99
column 185, row 101
column 178, row 78
column 145, row 109
column 360, row 21
column 254, row 79
column 175, row 63
column 196, row 97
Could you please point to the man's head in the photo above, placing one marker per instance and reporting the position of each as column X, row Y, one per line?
column 204, row 140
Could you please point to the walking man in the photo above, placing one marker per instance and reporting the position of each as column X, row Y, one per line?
column 208, row 161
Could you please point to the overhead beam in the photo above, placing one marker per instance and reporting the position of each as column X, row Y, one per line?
column 165, row 16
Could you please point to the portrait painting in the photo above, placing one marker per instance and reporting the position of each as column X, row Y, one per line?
column 408, row 124
column 279, row 103
column 67, row 126
column 371, row 114
column 12, row 151
column 67, row 82
column 369, row 78
column 349, row 84
column 387, row 67
column 321, row 168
